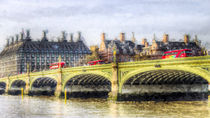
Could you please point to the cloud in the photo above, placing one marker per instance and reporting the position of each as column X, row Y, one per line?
column 144, row 17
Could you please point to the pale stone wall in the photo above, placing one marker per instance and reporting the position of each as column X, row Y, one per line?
column 181, row 88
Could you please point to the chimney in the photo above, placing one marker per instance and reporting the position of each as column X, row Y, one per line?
column 28, row 38
column 122, row 37
column 63, row 36
column 146, row 44
column 8, row 42
column 27, row 33
column 44, row 38
column 17, row 37
column 133, row 38
column 144, row 41
column 71, row 37
column 21, row 36
column 186, row 38
column 79, row 36
column 165, row 38
column 12, row 40
column 103, row 36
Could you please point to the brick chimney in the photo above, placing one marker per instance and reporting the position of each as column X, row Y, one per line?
column 146, row 44
column 133, row 37
column 165, row 38
column 144, row 40
column 186, row 38
column 122, row 37
column 103, row 44
column 103, row 37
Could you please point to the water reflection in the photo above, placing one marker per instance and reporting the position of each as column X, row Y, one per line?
column 52, row 107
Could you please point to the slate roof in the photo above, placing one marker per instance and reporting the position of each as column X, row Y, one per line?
column 126, row 47
column 181, row 45
column 45, row 46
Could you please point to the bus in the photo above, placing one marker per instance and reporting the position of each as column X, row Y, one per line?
column 56, row 65
column 97, row 62
column 177, row 54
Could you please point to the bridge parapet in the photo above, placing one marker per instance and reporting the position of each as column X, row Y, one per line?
column 201, row 60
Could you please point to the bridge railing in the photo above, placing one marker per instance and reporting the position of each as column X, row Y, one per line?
column 186, row 60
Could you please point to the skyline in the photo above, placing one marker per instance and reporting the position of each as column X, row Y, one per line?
column 144, row 18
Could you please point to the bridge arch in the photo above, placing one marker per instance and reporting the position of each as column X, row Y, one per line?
column 18, row 84
column 198, row 71
column 165, row 80
column 15, row 87
column 43, row 86
column 88, row 85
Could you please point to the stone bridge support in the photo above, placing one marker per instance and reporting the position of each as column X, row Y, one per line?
column 59, row 84
column 26, row 90
column 113, row 95
column 7, row 85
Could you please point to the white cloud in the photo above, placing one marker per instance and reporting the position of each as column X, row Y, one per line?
column 92, row 17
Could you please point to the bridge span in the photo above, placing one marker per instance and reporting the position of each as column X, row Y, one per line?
column 118, row 81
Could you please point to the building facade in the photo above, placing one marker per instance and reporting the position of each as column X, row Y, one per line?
column 129, row 50
column 40, row 54
column 125, row 49
column 159, row 47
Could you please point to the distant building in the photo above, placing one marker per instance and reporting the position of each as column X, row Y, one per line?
column 159, row 47
column 125, row 49
column 39, row 54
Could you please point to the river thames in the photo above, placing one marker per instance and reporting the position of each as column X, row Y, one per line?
column 52, row 107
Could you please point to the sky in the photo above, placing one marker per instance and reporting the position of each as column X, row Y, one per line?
column 92, row 17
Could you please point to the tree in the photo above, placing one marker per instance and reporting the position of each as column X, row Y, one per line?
column 95, row 54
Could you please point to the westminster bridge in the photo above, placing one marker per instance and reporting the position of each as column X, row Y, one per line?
column 117, row 80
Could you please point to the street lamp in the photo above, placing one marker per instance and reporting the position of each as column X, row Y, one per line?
column 8, row 81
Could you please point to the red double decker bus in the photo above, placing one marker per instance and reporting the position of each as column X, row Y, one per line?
column 56, row 65
column 98, row 62
column 177, row 54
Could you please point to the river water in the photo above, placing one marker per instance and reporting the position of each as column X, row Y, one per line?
column 52, row 107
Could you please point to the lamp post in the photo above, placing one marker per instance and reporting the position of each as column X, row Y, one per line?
column 8, row 82
column 114, row 54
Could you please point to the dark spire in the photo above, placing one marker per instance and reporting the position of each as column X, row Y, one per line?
column 63, row 36
column 71, row 37
column 17, row 38
column 7, row 41
column 12, row 40
column 21, row 36
column 79, row 36
column 28, row 37
column 44, row 38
